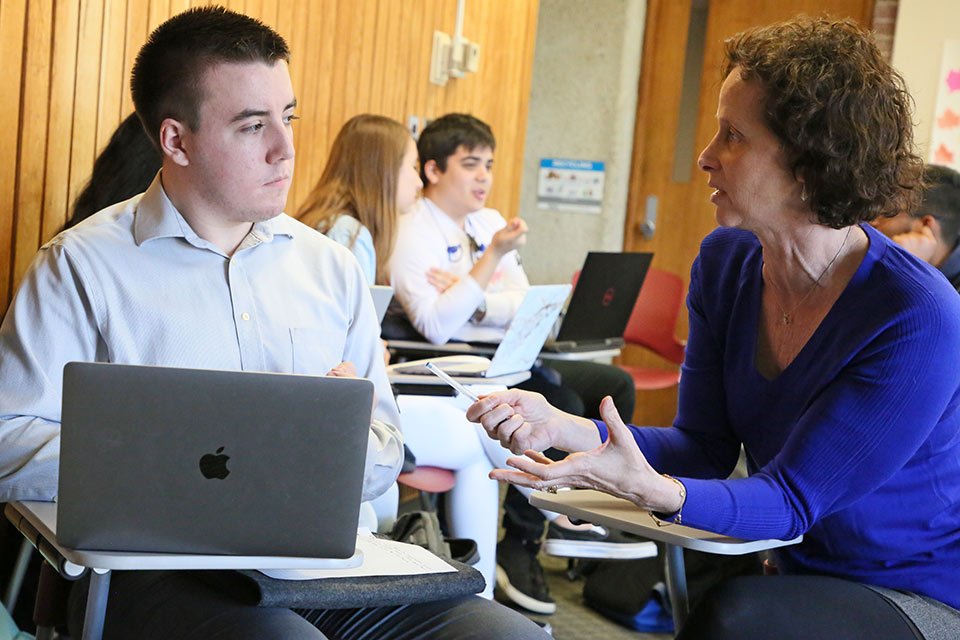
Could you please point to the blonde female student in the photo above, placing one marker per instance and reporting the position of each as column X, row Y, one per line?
column 372, row 178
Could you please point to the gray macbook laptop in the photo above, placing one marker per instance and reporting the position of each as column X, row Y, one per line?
column 212, row 462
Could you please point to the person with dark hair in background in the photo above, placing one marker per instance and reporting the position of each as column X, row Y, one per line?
column 188, row 274
column 819, row 345
column 457, row 273
column 932, row 232
column 125, row 167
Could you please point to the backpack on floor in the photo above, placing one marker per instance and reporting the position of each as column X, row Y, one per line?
column 633, row 592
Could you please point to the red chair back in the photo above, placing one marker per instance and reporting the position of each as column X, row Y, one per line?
column 654, row 317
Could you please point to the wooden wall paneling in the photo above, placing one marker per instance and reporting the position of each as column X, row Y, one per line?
column 30, row 156
column 112, row 85
column 296, row 37
column 179, row 6
column 362, row 75
column 322, row 76
column 514, row 25
column 473, row 96
column 159, row 10
column 314, row 46
column 407, row 29
column 379, row 60
column 346, row 60
column 86, row 96
column 433, row 104
column 418, row 72
column 60, row 127
column 138, row 17
column 255, row 9
column 284, row 24
column 12, row 30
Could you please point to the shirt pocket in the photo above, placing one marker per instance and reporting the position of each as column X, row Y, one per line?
column 315, row 351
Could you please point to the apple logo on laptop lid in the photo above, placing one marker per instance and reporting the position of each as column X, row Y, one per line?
column 214, row 465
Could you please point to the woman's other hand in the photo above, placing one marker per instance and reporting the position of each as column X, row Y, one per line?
column 617, row 467
column 523, row 420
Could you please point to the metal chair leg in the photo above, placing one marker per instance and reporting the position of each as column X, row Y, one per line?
column 16, row 579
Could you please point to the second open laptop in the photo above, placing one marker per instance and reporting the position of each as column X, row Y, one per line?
column 602, row 302
column 382, row 296
column 520, row 345
column 157, row 459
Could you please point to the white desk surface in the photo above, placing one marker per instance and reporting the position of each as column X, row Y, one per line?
column 608, row 511
column 43, row 516
column 464, row 347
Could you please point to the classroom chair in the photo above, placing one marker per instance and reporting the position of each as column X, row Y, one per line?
column 430, row 482
column 652, row 325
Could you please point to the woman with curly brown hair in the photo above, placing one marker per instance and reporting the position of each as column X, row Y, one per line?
column 815, row 342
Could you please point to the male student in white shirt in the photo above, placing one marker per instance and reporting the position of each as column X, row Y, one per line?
column 457, row 273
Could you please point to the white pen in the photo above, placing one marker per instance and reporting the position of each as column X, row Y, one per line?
column 450, row 381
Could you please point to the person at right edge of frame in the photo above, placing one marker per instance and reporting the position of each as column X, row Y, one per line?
column 822, row 347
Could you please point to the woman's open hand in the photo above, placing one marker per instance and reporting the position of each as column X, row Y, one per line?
column 617, row 467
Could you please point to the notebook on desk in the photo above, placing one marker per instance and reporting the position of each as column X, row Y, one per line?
column 157, row 459
column 520, row 345
column 602, row 302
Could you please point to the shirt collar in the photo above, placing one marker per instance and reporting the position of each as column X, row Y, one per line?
column 156, row 217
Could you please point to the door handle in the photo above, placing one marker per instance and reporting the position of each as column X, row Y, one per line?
column 649, row 224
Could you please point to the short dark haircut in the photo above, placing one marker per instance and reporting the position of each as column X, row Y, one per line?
column 841, row 112
column 442, row 137
column 941, row 199
column 125, row 167
column 167, row 78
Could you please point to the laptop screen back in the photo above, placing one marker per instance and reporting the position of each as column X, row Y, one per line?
column 214, row 462
column 603, row 299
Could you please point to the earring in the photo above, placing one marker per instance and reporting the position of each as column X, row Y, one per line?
column 803, row 192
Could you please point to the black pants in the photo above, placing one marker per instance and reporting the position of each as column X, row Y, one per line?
column 582, row 386
column 162, row 605
column 795, row 608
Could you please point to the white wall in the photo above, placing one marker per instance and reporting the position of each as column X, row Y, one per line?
column 922, row 26
column 583, row 105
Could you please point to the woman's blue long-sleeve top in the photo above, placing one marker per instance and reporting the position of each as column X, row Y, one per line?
column 855, row 445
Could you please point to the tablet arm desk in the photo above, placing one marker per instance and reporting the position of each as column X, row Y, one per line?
column 37, row 521
column 616, row 513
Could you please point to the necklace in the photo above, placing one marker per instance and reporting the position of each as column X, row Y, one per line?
column 786, row 316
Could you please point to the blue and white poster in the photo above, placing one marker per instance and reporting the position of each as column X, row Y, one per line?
column 570, row 185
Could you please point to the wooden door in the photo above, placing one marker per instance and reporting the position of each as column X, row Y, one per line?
column 672, row 128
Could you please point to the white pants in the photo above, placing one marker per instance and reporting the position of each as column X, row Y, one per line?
column 438, row 433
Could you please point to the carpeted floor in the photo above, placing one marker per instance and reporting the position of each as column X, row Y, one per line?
column 573, row 619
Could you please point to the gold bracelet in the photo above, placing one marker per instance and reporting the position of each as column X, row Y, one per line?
column 677, row 517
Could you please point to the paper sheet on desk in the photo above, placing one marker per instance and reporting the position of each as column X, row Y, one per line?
column 380, row 558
